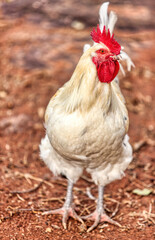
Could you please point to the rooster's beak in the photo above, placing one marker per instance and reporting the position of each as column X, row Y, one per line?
column 116, row 57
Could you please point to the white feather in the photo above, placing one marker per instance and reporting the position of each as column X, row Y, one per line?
column 124, row 57
column 114, row 171
column 112, row 21
column 122, row 69
column 56, row 163
column 86, row 47
column 103, row 16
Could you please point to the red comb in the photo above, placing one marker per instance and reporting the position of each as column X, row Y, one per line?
column 105, row 38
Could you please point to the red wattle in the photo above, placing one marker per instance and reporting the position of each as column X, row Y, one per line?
column 107, row 70
column 116, row 69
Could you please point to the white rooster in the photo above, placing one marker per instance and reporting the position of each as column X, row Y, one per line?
column 87, row 121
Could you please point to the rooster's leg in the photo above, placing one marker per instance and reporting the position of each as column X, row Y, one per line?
column 67, row 210
column 99, row 214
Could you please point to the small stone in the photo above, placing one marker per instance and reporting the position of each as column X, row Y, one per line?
column 10, row 104
column 150, row 127
column 127, row 85
column 78, row 25
column 7, row 147
column 48, row 230
column 41, row 112
column 147, row 73
column 3, row 94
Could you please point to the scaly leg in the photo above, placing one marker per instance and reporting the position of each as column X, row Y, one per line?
column 99, row 214
column 67, row 209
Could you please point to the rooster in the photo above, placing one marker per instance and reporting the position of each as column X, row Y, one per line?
column 86, row 121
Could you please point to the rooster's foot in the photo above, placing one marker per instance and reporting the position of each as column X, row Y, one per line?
column 66, row 213
column 98, row 217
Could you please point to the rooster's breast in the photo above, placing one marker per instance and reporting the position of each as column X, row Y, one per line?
column 89, row 140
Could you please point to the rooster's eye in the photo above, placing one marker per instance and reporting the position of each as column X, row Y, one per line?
column 102, row 51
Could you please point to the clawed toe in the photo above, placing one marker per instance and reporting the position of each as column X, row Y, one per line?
column 66, row 213
column 98, row 218
column 67, row 210
column 56, row 211
column 88, row 217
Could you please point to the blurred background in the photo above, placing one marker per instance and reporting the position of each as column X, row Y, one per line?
column 40, row 45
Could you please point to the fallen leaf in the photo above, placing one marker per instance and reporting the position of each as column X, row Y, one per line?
column 144, row 192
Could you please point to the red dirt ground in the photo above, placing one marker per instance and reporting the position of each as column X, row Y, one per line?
column 40, row 44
